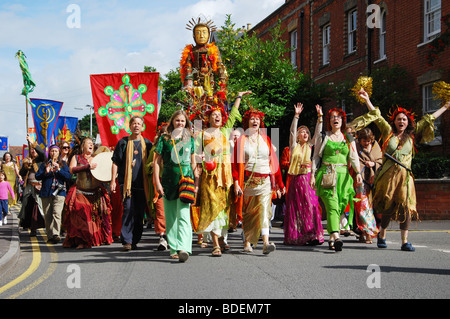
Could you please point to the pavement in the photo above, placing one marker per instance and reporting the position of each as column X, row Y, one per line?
column 10, row 239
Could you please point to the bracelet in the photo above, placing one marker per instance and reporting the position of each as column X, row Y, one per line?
column 238, row 97
column 297, row 117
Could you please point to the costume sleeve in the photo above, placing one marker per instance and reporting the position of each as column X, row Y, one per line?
column 159, row 146
column 375, row 117
column 237, row 159
column 232, row 118
column 293, row 133
column 148, row 166
column 64, row 172
column 285, row 159
column 40, row 174
column 425, row 129
column 118, row 155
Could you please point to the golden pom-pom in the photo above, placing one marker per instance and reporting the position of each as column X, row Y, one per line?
column 364, row 82
column 441, row 91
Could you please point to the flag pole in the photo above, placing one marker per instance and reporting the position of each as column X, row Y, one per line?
column 28, row 83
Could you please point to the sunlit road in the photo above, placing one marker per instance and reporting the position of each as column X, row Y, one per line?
column 50, row 271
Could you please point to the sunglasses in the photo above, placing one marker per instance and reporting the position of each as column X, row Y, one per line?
column 66, row 147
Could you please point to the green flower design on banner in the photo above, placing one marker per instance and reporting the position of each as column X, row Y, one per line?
column 125, row 103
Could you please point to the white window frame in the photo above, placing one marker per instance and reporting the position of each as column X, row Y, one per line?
column 326, row 44
column 352, row 26
column 432, row 19
column 430, row 105
column 293, row 42
column 382, row 37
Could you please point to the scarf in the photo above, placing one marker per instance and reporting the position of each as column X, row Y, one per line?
column 129, row 168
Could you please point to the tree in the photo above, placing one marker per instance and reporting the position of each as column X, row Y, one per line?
column 264, row 68
column 84, row 125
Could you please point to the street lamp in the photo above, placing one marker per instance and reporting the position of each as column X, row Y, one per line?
column 90, row 114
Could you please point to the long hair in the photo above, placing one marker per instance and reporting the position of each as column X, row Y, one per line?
column 409, row 131
column 187, row 132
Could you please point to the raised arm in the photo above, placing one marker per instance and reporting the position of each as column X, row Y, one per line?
column 363, row 94
column 441, row 110
column 298, row 108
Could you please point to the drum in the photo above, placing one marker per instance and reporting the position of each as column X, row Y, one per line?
column 104, row 166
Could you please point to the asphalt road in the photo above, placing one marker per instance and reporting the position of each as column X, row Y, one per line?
column 360, row 271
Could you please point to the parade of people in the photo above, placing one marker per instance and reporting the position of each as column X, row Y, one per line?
column 182, row 168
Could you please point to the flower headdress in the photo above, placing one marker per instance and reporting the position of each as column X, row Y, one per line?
column 248, row 114
column 213, row 108
column 398, row 110
column 341, row 113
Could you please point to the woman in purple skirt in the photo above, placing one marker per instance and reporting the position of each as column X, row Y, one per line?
column 303, row 218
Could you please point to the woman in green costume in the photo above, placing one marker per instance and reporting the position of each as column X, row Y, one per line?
column 175, row 153
column 394, row 193
column 335, row 149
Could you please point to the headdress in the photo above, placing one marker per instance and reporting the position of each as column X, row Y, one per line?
column 213, row 108
column 341, row 114
column 248, row 114
column 201, row 22
column 398, row 110
column 54, row 146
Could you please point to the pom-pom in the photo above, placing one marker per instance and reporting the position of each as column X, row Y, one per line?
column 364, row 82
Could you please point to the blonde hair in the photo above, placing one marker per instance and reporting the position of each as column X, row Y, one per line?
column 187, row 132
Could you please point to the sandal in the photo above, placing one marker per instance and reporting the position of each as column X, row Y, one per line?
column 331, row 244
column 216, row 252
column 248, row 249
column 338, row 244
column 174, row 256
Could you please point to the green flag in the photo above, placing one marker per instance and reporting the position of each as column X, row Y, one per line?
column 27, row 80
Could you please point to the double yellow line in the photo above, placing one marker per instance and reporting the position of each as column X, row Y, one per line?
column 32, row 268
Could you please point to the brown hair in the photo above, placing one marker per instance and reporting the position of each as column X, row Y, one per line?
column 4, row 174
column 366, row 134
column 188, row 127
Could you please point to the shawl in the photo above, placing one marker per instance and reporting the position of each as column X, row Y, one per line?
column 129, row 168
column 238, row 166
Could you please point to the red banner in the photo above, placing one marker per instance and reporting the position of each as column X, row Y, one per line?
column 119, row 96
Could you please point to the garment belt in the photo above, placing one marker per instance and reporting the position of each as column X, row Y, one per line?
column 248, row 174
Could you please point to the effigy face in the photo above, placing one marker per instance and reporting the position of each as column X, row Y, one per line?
column 201, row 35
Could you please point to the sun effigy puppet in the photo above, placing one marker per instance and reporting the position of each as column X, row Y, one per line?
column 203, row 74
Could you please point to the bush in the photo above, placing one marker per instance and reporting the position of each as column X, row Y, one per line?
column 431, row 166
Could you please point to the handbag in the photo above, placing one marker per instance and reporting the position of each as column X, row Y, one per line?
column 186, row 187
column 329, row 178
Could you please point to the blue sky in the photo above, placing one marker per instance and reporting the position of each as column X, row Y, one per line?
column 113, row 37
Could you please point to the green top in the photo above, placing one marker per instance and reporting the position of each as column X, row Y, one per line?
column 171, row 169
column 424, row 131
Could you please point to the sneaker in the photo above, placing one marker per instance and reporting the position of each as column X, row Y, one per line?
column 5, row 221
column 408, row 247
column 267, row 249
column 381, row 243
column 1, row 223
column 162, row 244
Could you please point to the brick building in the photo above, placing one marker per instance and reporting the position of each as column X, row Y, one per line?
column 339, row 40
